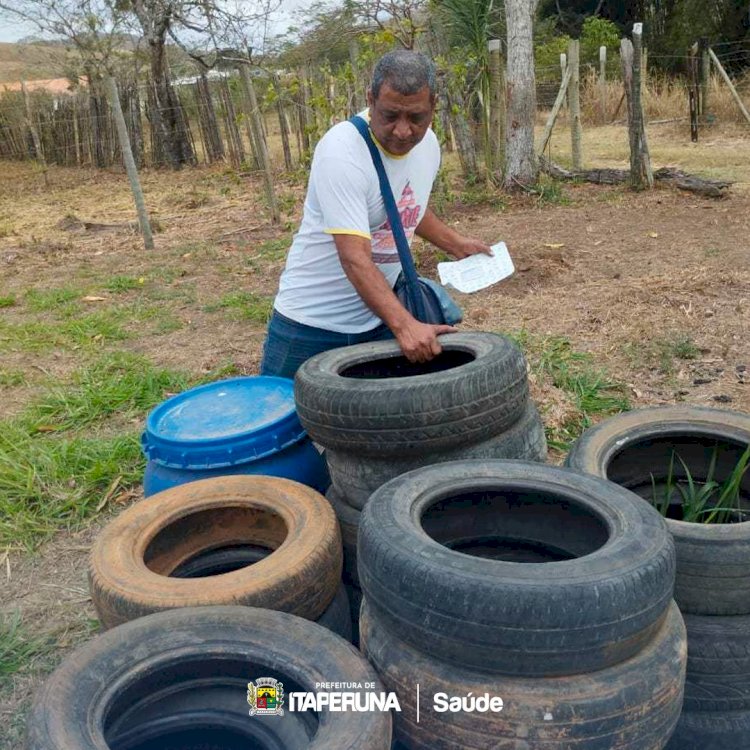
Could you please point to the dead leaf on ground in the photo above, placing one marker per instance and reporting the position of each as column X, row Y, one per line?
column 554, row 245
column 91, row 298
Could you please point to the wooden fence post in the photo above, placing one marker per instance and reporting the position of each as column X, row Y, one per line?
column 34, row 133
column 693, row 97
column 260, row 140
column 603, row 84
column 574, row 101
column 705, row 74
column 283, row 127
column 563, row 68
column 497, row 105
column 640, row 161
column 729, row 83
column 555, row 110
column 130, row 168
column 638, row 89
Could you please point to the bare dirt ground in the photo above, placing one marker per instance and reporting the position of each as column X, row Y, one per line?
column 632, row 279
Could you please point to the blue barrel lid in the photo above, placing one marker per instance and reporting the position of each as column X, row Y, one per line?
column 225, row 423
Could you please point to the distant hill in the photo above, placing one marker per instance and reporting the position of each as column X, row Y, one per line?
column 31, row 61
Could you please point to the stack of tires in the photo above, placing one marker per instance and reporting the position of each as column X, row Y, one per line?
column 181, row 661
column 379, row 416
column 530, row 604
column 253, row 540
column 712, row 588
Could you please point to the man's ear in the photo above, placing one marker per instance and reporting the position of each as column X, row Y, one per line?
column 370, row 100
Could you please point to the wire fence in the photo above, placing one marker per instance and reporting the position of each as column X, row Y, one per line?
column 210, row 117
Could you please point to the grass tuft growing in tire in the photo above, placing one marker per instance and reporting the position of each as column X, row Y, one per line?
column 707, row 501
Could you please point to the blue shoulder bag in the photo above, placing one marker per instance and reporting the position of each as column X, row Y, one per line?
column 425, row 299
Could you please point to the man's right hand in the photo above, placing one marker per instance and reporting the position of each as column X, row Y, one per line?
column 419, row 342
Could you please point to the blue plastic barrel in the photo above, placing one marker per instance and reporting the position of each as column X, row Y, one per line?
column 243, row 425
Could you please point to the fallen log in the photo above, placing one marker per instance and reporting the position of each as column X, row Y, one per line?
column 676, row 177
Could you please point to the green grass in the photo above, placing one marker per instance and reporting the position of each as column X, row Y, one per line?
column 10, row 378
column 707, row 501
column 273, row 250
column 661, row 352
column 122, row 284
column 117, row 383
column 18, row 647
column 86, row 331
column 51, row 300
column 550, row 192
column 591, row 390
column 683, row 347
column 480, row 195
column 48, row 482
column 7, row 300
column 244, row 306
column 65, row 453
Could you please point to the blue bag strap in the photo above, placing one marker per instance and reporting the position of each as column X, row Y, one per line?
column 402, row 244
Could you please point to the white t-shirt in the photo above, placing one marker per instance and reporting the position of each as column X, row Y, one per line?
column 343, row 197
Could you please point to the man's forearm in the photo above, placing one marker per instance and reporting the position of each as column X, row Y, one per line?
column 377, row 294
column 438, row 232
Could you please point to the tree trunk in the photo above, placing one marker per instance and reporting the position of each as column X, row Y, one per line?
column 167, row 112
column 464, row 142
column 497, row 105
column 520, row 160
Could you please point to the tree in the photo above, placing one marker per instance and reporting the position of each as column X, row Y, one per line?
column 520, row 158
column 470, row 26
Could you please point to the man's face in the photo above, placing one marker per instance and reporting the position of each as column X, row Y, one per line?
column 400, row 121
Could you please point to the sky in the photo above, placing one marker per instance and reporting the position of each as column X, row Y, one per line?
column 12, row 32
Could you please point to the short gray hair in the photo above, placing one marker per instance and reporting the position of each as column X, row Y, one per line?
column 405, row 71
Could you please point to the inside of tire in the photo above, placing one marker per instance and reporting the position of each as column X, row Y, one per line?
column 515, row 525
column 205, row 531
column 200, row 703
column 643, row 468
column 400, row 367
column 225, row 559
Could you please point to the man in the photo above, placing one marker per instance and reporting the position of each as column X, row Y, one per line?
column 337, row 287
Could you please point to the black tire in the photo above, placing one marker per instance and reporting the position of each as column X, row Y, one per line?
column 599, row 599
column 713, row 561
column 711, row 731
column 717, row 693
column 633, row 705
column 355, row 604
column 718, row 678
column 475, row 389
column 348, row 518
column 336, row 617
column 357, row 477
column 718, row 645
column 177, row 680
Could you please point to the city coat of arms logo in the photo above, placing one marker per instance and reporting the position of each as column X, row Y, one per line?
column 265, row 697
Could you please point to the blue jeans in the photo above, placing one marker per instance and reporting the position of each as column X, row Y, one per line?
column 288, row 344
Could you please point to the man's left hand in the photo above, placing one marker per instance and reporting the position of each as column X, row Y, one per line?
column 467, row 246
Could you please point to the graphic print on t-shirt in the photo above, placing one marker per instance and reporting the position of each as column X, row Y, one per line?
column 383, row 243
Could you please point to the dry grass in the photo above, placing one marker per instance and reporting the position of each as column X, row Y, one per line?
column 722, row 152
column 663, row 97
